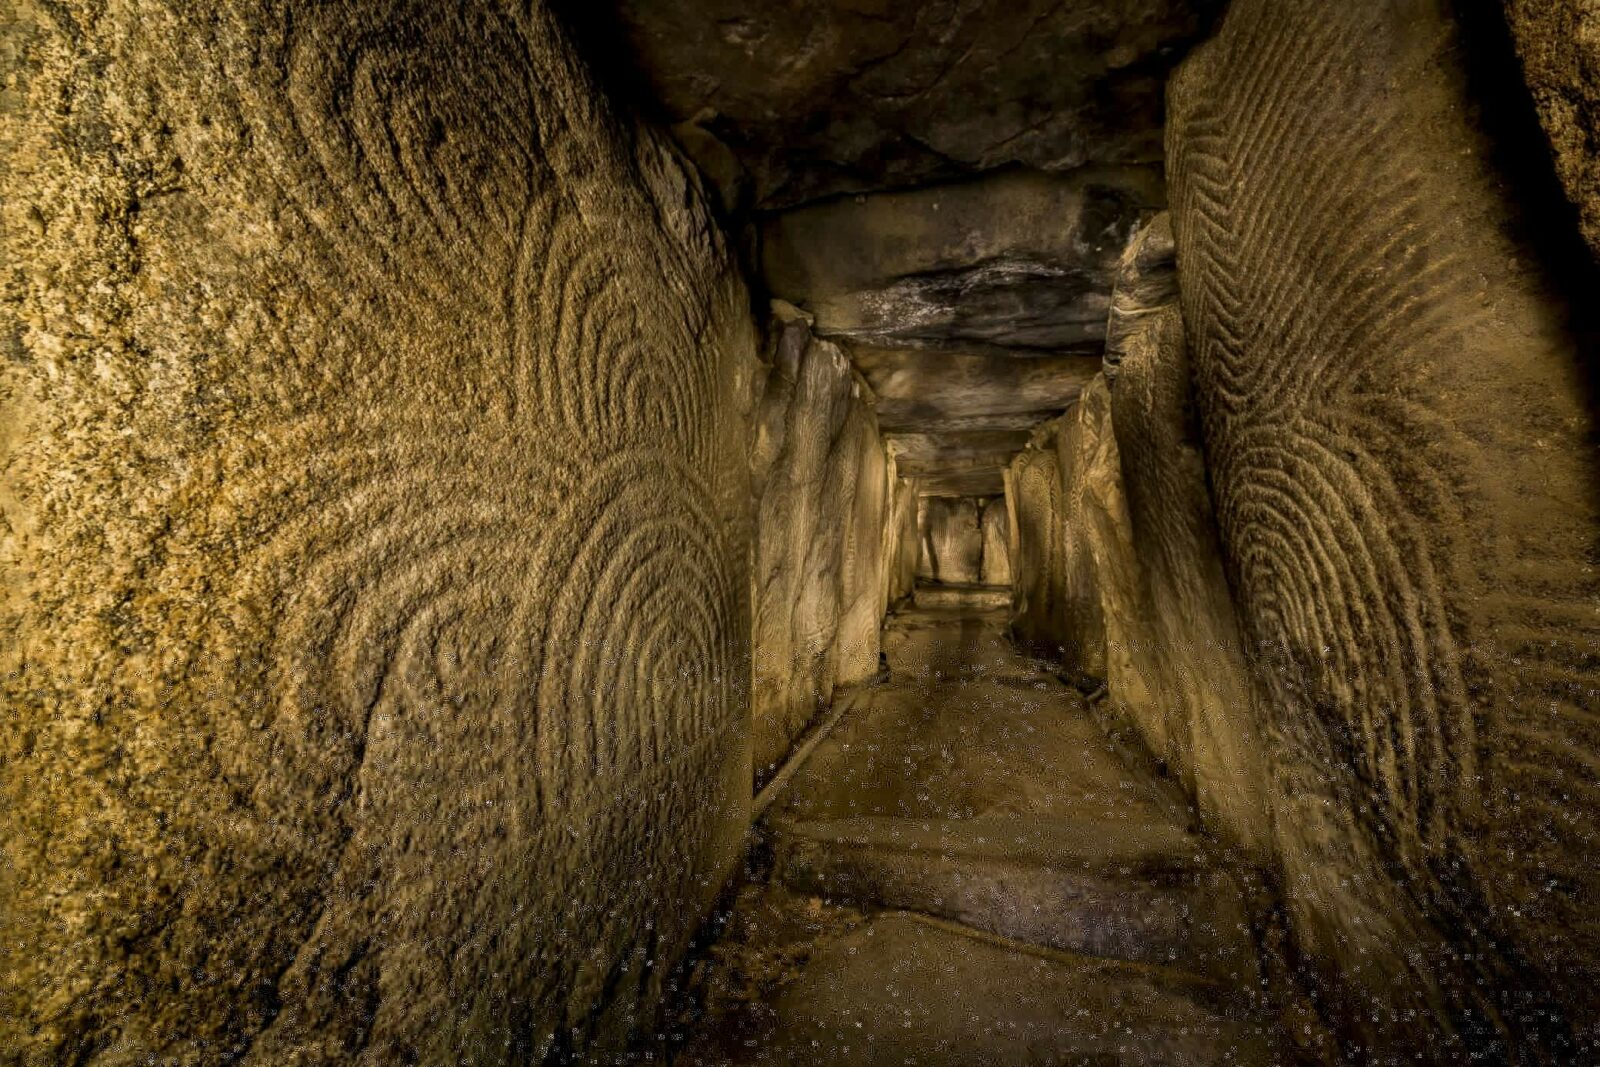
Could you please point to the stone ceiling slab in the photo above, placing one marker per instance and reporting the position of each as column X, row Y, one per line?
column 1014, row 260
column 811, row 98
column 955, row 461
column 925, row 390
column 925, row 454
column 986, row 481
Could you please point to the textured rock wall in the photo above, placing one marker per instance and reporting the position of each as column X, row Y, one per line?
column 374, row 640
column 1559, row 45
column 1206, row 724
column 1056, row 591
column 831, row 534
column 1101, row 524
column 951, row 531
column 1401, row 448
column 996, row 568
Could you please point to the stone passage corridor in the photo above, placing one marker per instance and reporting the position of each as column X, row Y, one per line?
column 969, row 869
column 587, row 532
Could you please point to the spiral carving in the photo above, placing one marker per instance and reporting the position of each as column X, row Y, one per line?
column 412, row 561
column 640, row 641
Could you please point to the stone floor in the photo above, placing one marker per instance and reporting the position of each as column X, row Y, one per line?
column 968, row 870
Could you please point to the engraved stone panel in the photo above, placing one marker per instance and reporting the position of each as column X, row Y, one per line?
column 1401, row 447
column 375, row 641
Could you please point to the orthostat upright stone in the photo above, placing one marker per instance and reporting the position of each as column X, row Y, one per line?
column 1401, row 448
column 375, row 642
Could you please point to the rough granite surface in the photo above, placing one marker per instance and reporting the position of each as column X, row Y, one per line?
column 1400, row 438
column 374, row 638
column 831, row 534
column 1558, row 42
column 1197, row 663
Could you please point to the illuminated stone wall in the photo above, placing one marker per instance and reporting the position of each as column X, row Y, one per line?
column 1400, row 439
column 374, row 643
column 1191, row 690
column 834, row 521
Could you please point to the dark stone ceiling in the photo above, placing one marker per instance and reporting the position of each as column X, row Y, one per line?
column 946, row 187
column 820, row 97
column 975, row 310
column 1016, row 261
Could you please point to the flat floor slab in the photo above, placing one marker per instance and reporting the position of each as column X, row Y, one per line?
column 966, row 728
column 967, row 870
column 896, row 989
column 1152, row 900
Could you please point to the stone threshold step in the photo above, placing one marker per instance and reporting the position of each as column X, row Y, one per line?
column 903, row 988
column 1142, row 893
column 1136, row 847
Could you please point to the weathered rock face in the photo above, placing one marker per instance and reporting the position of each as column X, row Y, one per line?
column 831, row 534
column 814, row 99
column 374, row 646
column 1058, row 612
column 996, row 542
column 1205, row 724
column 1146, row 284
column 951, row 532
column 1402, row 454
column 1559, row 44
column 1100, row 523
